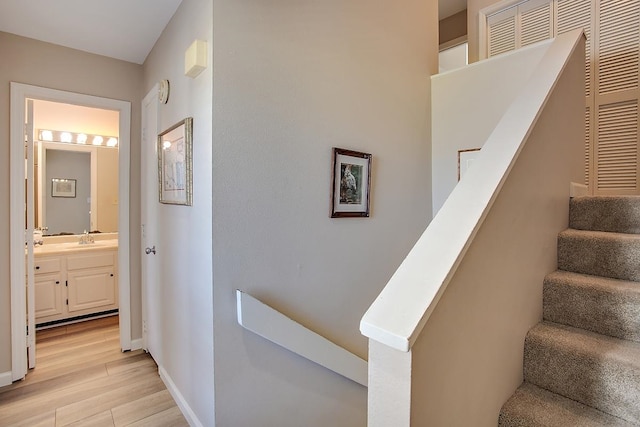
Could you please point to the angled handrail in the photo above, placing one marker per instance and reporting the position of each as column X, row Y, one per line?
column 259, row 318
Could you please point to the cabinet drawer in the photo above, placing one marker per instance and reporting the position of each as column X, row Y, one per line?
column 46, row 265
column 102, row 259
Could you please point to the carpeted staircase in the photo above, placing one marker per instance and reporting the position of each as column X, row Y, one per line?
column 582, row 362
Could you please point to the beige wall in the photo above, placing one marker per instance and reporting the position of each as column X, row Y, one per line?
column 452, row 27
column 42, row 64
column 107, row 196
column 292, row 79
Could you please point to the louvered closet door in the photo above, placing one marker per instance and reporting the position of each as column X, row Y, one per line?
column 536, row 21
column 501, row 32
column 571, row 15
column 617, row 90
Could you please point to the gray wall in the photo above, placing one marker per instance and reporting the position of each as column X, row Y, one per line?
column 42, row 64
column 291, row 80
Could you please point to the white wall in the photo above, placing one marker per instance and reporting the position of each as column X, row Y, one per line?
column 184, row 246
column 467, row 104
column 292, row 79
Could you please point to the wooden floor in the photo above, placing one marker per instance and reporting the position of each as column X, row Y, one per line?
column 83, row 379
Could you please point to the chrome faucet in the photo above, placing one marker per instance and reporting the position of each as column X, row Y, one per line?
column 86, row 238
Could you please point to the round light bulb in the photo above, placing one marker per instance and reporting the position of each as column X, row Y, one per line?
column 97, row 140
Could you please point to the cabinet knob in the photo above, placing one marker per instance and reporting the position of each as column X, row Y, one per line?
column 37, row 267
column 111, row 275
column 57, row 282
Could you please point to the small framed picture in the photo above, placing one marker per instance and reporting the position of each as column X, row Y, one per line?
column 175, row 163
column 351, row 184
column 62, row 187
column 465, row 160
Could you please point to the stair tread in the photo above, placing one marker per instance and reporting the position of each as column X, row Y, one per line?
column 594, row 369
column 580, row 340
column 606, row 213
column 599, row 304
column 607, row 235
column 600, row 253
column 535, row 407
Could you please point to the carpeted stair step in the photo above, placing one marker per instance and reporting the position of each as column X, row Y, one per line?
column 531, row 406
column 597, row 253
column 619, row 214
column 606, row 306
column 593, row 369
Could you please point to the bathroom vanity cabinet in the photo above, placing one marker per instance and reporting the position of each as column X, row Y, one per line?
column 75, row 283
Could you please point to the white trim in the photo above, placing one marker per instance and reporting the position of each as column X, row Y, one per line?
column 578, row 190
column 136, row 344
column 270, row 324
column 19, row 93
column 5, row 379
column 453, row 43
column 186, row 410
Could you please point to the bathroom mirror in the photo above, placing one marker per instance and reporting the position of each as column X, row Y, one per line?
column 93, row 204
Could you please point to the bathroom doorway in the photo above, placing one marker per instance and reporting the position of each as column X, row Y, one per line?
column 104, row 210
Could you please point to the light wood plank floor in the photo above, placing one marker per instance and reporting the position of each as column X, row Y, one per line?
column 83, row 379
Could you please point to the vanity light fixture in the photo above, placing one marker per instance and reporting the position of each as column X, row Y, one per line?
column 76, row 138
column 46, row 135
column 65, row 137
column 166, row 145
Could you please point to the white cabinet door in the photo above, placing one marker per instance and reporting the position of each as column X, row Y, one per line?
column 48, row 295
column 91, row 289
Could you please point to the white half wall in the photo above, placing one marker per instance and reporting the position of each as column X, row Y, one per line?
column 466, row 105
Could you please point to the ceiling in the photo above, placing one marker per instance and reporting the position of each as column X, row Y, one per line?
column 121, row 29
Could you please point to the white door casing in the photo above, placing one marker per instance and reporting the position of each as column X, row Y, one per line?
column 20, row 93
column 31, row 293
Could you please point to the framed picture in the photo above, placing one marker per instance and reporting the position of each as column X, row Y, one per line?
column 465, row 159
column 351, row 184
column 62, row 187
column 175, row 163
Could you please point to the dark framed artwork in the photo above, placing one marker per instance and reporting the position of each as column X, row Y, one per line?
column 62, row 187
column 351, row 184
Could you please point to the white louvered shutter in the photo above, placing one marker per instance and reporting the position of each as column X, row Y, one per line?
column 572, row 15
column 536, row 21
column 617, row 90
column 501, row 32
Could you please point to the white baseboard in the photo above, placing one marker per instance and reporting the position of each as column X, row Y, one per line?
column 188, row 413
column 578, row 190
column 136, row 344
column 6, row 378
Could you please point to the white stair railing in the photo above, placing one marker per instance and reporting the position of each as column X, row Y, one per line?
column 274, row 326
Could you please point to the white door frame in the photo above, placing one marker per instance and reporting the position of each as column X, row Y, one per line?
column 148, row 221
column 19, row 94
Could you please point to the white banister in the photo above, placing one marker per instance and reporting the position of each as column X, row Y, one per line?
column 398, row 315
column 274, row 326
